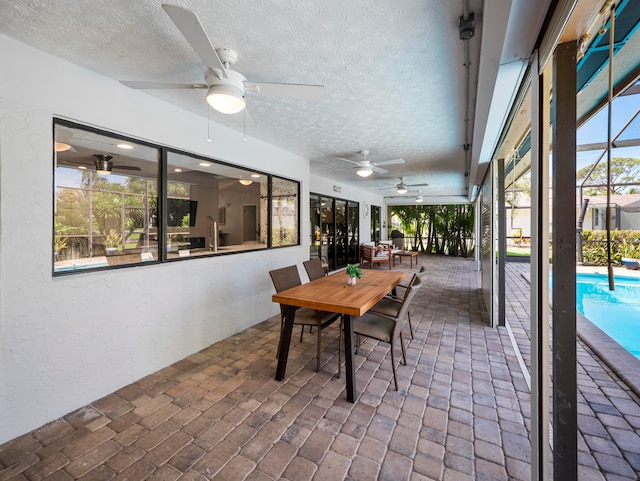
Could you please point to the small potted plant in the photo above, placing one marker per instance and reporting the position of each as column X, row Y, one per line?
column 630, row 255
column 112, row 242
column 354, row 273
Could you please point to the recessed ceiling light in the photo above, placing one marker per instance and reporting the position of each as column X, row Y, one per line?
column 82, row 167
column 125, row 146
column 205, row 164
column 177, row 169
column 255, row 176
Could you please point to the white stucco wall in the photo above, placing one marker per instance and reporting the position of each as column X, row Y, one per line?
column 65, row 342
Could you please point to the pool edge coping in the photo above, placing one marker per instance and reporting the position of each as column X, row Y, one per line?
column 621, row 361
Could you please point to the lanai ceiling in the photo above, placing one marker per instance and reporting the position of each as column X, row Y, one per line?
column 394, row 73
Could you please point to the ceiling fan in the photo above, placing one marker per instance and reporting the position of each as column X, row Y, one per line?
column 366, row 168
column 225, row 87
column 102, row 164
column 403, row 187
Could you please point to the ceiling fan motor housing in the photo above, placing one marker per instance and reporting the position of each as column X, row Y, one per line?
column 103, row 162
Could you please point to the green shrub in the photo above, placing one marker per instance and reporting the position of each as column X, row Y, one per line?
column 594, row 246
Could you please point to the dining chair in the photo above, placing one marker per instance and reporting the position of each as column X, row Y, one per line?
column 288, row 277
column 385, row 328
column 391, row 304
column 314, row 268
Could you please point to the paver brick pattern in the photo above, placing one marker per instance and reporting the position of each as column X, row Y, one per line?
column 462, row 410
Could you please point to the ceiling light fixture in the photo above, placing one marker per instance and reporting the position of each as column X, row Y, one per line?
column 62, row 147
column 255, row 176
column 364, row 171
column 226, row 99
column 177, row 169
column 204, row 164
column 419, row 199
column 402, row 189
column 125, row 146
column 246, row 181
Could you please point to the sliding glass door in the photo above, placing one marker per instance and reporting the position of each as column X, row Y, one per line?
column 334, row 230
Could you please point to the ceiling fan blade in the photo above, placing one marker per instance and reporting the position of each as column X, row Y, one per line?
column 126, row 167
column 378, row 170
column 73, row 162
column 390, row 162
column 292, row 91
column 189, row 25
column 347, row 160
column 417, row 185
column 144, row 84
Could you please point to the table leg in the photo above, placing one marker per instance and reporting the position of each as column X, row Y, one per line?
column 348, row 357
column 285, row 341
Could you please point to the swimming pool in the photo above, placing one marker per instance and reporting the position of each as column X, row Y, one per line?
column 616, row 312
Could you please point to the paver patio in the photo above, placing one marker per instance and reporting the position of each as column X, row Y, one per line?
column 462, row 411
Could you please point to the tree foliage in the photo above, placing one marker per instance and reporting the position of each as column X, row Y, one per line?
column 447, row 229
column 624, row 170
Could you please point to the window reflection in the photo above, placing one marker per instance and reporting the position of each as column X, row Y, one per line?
column 102, row 196
column 284, row 212
column 110, row 209
column 212, row 207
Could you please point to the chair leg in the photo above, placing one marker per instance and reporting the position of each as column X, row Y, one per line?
column 340, row 349
column 393, row 365
column 410, row 325
column 318, row 350
column 404, row 356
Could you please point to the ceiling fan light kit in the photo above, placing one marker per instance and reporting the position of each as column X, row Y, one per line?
column 225, row 99
column 364, row 171
column 246, row 181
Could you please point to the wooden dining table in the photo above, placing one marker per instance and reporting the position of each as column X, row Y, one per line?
column 332, row 294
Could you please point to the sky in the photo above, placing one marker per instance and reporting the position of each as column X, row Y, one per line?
column 595, row 130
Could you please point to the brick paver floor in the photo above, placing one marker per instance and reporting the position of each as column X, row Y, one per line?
column 461, row 412
column 608, row 410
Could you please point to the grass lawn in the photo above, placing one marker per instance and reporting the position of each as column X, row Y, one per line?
column 518, row 251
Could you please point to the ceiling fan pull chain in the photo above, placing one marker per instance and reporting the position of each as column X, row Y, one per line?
column 208, row 123
column 244, row 125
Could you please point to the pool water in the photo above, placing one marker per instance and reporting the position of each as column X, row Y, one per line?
column 616, row 312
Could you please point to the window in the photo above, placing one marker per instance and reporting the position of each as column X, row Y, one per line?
column 213, row 207
column 105, row 188
column 284, row 212
column 112, row 206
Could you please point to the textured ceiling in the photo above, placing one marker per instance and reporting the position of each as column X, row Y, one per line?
column 393, row 72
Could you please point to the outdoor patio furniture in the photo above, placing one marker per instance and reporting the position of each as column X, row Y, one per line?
column 286, row 278
column 385, row 327
column 390, row 305
column 314, row 268
column 380, row 254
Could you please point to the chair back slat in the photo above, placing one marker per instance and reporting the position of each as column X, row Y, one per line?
column 409, row 294
column 314, row 269
column 285, row 278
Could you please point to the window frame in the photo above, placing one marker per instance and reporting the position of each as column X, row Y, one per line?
column 162, row 183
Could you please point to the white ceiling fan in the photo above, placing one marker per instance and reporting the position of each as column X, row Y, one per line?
column 403, row 187
column 366, row 168
column 225, row 87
